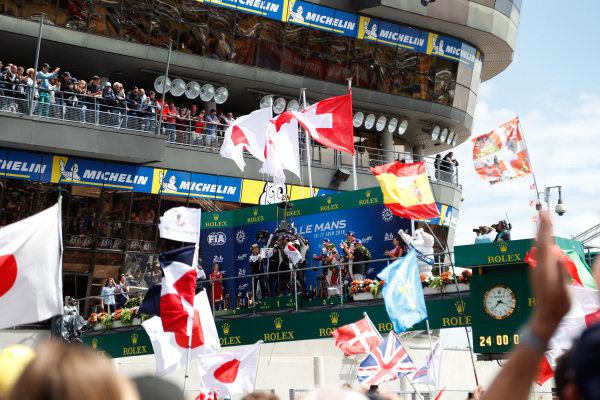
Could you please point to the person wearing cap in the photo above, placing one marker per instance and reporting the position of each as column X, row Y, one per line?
column 108, row 100
column 257, row 268
column 70, row 96
column 44, row 101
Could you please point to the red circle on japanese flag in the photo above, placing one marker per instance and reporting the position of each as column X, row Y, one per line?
column 8, row 272
column 227, row 373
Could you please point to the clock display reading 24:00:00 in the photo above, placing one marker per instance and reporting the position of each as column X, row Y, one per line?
column 498, row 340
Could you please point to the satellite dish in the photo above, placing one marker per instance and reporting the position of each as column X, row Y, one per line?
column 444, row 135
column 158, row 84
column 207, row 92
column 192, row 90
column 358, row 119
column 435, row 133
column 293, row 105
column 177, row 87
column 403, row 127
column 392, row 125
column 221, row 95
column 279, row 105
column 450, row 137
column 454, row 140
column 369, row 121
column 381, row 121
column 265, row 102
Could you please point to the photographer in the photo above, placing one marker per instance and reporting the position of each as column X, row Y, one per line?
column 503, row 231
column 485, row 234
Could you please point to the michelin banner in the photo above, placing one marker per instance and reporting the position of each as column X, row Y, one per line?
column 229, row 235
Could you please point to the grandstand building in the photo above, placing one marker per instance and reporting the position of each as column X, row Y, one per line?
column 415, row 72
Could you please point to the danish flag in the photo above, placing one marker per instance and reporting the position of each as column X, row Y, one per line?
column 359, row 337
column 329, row 122
column 385, row 363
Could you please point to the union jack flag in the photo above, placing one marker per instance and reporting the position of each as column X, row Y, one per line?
column 385, row 363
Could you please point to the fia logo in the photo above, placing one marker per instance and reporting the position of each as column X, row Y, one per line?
column 387, row 215
column 217, row 259
column 241, row 271
column 388, row 237
column 240, row 236
column 241, row 257
column 216, row 238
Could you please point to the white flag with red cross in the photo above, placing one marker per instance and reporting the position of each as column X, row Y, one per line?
column 281, row 151
column 247, row 133
column 359, row 337
column 31, row 269
column 230, row 373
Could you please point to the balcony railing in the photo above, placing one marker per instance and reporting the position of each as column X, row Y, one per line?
column 187, row 132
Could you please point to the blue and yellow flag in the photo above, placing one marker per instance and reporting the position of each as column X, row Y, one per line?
column 403, row 293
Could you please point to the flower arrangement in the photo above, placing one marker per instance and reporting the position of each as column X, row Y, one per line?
column 133, row 302
column 126, row 317
column 465, row 276
column 368, row 285
column 107, row 320
column 446, row 278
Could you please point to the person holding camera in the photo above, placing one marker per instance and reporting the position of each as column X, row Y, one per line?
column 485, row 234
column 503, row 231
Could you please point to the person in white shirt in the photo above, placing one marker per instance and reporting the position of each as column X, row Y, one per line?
column 108, row 295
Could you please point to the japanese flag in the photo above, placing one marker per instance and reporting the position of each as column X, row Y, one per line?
column 30, row 269
column 230, row 373
column 170, row 349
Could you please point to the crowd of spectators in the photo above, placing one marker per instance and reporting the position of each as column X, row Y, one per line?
column 57, row 94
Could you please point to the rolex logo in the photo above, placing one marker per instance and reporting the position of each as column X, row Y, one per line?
column 226, row 327
column 255, row 212
column 368, row 193
column 95, row 343
column 134, row 338
column 216, row 217
column 334, row 317
column 278, row 322
column 503, row 246
column 329, row 200
column 460, row 306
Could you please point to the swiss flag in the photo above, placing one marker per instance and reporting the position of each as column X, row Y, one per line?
column 230, row 373
column 175, row 306
column 359, row 337
column 170, row 349
column 329, row 122
column 247, row 133
column 31, row 269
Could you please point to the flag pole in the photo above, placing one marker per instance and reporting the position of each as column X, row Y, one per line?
column 431, row 352
column 307, row 142
column 353, row 155
column 537, row 193
column 190, row 328
column 447, row 252
column 372, row 325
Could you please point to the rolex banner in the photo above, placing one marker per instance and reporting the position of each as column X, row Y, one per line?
column 501, row 155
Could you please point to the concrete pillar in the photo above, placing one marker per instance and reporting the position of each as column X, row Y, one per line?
column 387, row 144
column 319, row 371
column 419, row 152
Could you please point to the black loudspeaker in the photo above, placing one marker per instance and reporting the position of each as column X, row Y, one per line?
column 341, row 175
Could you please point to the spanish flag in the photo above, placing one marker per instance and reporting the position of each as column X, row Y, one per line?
column 406, row 190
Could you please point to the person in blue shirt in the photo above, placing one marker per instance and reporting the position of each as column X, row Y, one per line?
column 44, row 101
column 211, row 127
column 485, row 234
column 108, row 295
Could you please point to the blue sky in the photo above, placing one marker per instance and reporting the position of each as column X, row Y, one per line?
column 553, row 86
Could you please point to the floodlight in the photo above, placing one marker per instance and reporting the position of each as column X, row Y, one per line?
column 392, row 125
column 221, row 95
column 381, row 121
column 369, row 121
column 279, row 105
column 293, row 105
column 435, row 133
column 450, row 137
column 444, row 135
column 207, row 92
column 455, row 139
column 403, row 127
column 160, row 82
column 358, row 119
column 192, row 90
column 266, row 101
column 177, row 87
